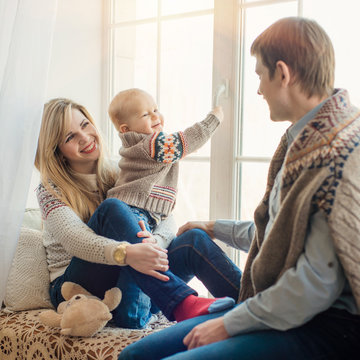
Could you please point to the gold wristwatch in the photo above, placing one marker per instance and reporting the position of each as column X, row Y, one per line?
column 119, row 254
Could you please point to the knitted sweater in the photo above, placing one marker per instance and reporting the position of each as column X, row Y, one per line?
column 321, row 173
column 149, row 165
column 65, row 235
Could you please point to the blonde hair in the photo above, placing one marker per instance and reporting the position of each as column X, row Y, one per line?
column 53, row 168
column 119, row 106
column 305, row 47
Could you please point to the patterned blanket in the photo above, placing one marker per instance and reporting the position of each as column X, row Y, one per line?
column 23, row 337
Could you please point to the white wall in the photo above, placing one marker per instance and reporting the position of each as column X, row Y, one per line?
column 76, row 65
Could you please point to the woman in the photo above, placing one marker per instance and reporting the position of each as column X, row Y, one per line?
column 95, row 242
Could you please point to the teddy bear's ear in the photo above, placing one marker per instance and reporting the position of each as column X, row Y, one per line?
column 112, row 298
column 50, row 318
column 69, row 289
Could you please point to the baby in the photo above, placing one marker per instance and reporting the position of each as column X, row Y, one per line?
column 149, row 161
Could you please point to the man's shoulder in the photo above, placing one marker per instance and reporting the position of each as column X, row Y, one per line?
column 335, row 127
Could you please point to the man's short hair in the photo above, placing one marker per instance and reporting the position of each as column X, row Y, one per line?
column 305, row 47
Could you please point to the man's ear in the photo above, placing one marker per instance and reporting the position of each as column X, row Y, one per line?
column 124, row 128
column 284, row 72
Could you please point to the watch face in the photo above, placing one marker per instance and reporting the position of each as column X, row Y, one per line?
column 119, row 255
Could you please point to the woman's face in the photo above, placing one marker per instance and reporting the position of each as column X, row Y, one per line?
column 80, row 147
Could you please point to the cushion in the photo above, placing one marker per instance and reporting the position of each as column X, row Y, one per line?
column 32, row 219
column 28, row 282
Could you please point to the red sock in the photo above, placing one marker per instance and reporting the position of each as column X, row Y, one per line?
column 193, row 306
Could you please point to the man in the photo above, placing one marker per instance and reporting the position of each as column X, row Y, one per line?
column 300, row 290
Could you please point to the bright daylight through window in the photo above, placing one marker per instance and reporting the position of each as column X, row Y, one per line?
column 171, row 48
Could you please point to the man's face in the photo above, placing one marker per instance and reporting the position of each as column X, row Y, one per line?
column 271, row 91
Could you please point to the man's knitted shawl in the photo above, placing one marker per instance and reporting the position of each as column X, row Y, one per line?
column 321, row 173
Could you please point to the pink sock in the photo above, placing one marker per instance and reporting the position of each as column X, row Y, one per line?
column 193, row 306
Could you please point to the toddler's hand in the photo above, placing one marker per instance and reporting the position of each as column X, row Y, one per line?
column 148, row 236
column 218, row 112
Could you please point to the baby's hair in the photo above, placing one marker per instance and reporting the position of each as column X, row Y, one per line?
column 118, row 106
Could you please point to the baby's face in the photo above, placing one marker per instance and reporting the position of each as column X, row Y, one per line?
column 143, row 115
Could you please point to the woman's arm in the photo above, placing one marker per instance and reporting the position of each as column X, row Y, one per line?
column 65, row 229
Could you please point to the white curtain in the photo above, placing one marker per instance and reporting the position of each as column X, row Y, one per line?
column 26, row 31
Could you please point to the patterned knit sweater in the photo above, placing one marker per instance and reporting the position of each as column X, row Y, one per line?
column 65, row 235
column 149, row 165
column 321, row 172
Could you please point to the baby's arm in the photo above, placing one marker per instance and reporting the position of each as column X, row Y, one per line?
column 218, row 112
column 164, row 233
column 170, row 148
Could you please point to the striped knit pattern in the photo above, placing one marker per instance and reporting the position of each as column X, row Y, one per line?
column 47, row 201
column 321, row 172
column 327, row 141
column 164, row 193
column 167, row 148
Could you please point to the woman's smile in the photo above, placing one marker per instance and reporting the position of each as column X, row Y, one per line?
column 90, row 148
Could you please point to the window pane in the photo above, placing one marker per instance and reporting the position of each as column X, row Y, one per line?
column 186, row 72
column 259, row 135
column 135, row 58
column 340, row 21
column 170, row 7
column 128, row 10
column 134, row 64
column 253, row 185
column 194, row 188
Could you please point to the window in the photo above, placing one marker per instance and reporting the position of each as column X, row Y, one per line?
column 257, row 137
column 165, row 47
column 241, row 154
column 183, row 52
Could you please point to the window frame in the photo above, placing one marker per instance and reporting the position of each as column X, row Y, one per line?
column 229, row 34
column 228, row 67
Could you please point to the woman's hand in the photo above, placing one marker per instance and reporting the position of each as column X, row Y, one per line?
column 206, row 333
column 207, row 226
column 148, row 259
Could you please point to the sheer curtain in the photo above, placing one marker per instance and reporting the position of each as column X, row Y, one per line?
column 26, row 30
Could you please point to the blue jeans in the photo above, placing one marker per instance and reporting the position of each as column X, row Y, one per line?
column 114, row 219
column 143, row 215
column 332, row 335
column 193, row 253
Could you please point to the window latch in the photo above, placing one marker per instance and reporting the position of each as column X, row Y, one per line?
column 221, row 91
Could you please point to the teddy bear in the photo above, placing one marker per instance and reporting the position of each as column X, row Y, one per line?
column 81, row 314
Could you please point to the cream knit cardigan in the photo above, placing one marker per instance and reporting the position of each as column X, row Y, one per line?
column 65, row 235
